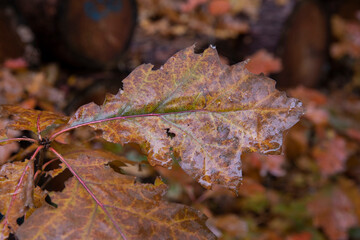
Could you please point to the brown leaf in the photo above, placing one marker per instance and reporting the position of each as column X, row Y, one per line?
column 333, row 211
column 138, row 210
column 15, row 196
column 198, row 109
column 331, row 155
column 6, row 148
column 264, row 62
column 26, row 119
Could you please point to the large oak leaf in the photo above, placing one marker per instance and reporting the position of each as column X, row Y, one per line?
column 137, row 210
column 199, row 109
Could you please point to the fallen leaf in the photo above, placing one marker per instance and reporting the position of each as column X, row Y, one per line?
column 333, row 211
column 331, row 155
column 264, row 62
column 6, row 148
column 26, row 119
column 122, row 208
column 219, row 7
column 196, row 108
column 16, row 186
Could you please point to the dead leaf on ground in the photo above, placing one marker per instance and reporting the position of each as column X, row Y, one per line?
column 15, row 197
column 139, row 211
column 333, row 211
column 198, row 109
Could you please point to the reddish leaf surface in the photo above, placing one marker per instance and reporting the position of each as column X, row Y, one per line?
column 16, row 187
column 136, row 210
column 26, row 119
column 331, row 155
column 264, row 62
column 196, row 108
column 333, row 211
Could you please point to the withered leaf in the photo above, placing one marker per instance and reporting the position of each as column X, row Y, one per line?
column 16, row 188
column 137, row 210
column 199, row 109
column 26, row 119
column 333, row 211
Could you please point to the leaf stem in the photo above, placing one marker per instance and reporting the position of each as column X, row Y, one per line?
column 18, row 139
column 38, row 126
column 116, row 225
column 13, row 197
column 120, row 118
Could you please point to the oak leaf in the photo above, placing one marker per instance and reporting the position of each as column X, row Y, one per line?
column 198, row 109
column 122, row 208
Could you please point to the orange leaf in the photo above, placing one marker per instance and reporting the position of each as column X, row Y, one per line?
column 264, row 62
column 199, row 109
column 27, row 119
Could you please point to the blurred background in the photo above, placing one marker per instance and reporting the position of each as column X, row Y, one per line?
column 57, row 55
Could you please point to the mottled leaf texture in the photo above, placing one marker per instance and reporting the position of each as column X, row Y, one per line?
column 138, row 210
column 15, row 197
column 200, row 110
column 26, row 119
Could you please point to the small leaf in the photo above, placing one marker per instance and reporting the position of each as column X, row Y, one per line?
column 331, row 155
column 137, row 210
column 333, row 211
column 214, row 113
column 16, row 188
column 26, row 119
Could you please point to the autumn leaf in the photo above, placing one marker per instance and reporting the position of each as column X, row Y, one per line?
column 122, row 209
column 196, row 108
column 27, row 119
column 264, row 62
column 333, row 211
column 331, row 155
column 16, row 186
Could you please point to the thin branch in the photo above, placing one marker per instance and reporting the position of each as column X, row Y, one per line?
column 13, row 197
column 121, row 118
column 116, row 225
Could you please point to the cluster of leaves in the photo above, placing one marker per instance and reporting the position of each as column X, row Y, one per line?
column 213, row 18
column 195, row 111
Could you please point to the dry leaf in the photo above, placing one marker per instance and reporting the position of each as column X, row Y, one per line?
column 123, row 208
column 196, row 108
column 333, row 212
column 16, row 189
